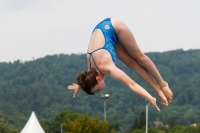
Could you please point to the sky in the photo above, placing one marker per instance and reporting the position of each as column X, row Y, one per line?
column 31, row 29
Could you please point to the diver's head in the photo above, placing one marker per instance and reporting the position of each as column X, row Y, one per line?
column 91, row 82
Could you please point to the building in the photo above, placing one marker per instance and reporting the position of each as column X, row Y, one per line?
column 157, row 123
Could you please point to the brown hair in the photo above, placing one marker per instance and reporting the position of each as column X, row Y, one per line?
column 87, row 80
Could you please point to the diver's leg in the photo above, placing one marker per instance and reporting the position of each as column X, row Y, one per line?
column 139, row 70
column 126, row 38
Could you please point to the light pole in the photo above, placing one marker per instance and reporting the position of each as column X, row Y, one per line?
column 105, row 96
column 61, row 128
column 147, row 116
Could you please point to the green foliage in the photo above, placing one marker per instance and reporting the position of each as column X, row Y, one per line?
column 175, row 129
column 139, row 122
column 115, row 126
column 172, row 121
column 77, row 123
column 142, row 130
column 55, row 124
column 184, row 129
column 6, row 128
column 41, row 86
column 84, row 124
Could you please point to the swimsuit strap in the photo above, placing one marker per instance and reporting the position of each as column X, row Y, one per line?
column 90, row 53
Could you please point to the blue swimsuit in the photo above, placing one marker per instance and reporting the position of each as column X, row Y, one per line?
column 110, row 40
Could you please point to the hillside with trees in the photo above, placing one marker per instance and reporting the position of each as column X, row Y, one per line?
column 41, row 86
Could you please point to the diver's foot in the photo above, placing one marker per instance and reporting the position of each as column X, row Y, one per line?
column 163, row 99
column 167, row 92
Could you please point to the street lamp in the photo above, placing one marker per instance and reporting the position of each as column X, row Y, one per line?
column 147, row 116
column 105, row 96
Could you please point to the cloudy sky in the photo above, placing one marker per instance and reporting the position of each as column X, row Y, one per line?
column 36, row 28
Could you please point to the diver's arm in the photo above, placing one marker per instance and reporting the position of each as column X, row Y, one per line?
column 118, row 74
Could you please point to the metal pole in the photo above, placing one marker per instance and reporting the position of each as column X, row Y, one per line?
column 105, row 96
column 104, row 109
column 61, row 128
column 147, row 118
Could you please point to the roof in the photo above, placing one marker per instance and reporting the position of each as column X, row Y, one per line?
column 32, row 125
column 157, row 123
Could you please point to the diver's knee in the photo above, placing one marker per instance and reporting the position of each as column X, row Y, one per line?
column 141, row 58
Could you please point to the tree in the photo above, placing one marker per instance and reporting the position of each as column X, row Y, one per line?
column 114, row 125
column 84, row 124
column 55, row 124
column 172, row 121
column 5, row 127
column 139, row 122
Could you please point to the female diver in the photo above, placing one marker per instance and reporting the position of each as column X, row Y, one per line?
column 112, row 39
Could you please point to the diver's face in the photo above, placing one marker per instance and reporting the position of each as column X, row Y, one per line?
column 100, row 86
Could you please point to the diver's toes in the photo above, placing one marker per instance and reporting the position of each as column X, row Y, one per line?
column 170, row 99
column 164, row 103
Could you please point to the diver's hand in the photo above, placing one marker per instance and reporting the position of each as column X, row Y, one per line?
column 153, row 102
column 74, row 87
